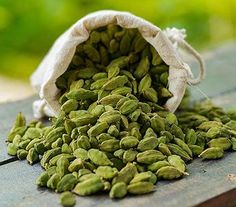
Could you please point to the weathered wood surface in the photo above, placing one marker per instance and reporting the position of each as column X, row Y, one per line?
column 206, row 180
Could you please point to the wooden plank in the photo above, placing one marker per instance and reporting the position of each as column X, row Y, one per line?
column 220, row 72
column 226, row 199
column 206, row 180
column 228, row 100
column 8, row 112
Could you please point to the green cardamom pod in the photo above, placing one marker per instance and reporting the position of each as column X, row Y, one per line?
column 126, row 174
column 12, row 149
column 191, row 137
column 70, row 105
column 221, row 142
column 106, row 172
column 83, row 142
column 148, row 143
column 150, row 156
column 118, row 190
column 183, row 145
column 89, row 186
column 175, row 149
column 197, row 150
column 156, row 59
column 22, row 154
column 169, row 173
column 157, row 165
column 177, row 162
column 32, row 156
column 42, row 179
column 212, row 153
column 115, row 82
column 62, row 166
column 125, row 43
column 76, row 165
column 99, row 157
column 66, row 183
column 144, row 177
column 97, row 129
column 111, row 99
column 162, row 147
column 53, row 181
column 140, row 188
column 128, row 142
column 92, row 53
column 128, row 107
column 145, row 83
column 67, row 199
column 157, row 124
column 82, row 94
column 177, row 131
column 110, row 117
column 81, row 154
column 84, row 119
column 113, row 131
column 98, row 84
column 205, row 126
column 122, row 91
column 129, row 155
column 110, row 145
column 49, row 155
column 151, row 95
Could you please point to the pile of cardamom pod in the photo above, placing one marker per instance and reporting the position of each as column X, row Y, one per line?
column 112, row 134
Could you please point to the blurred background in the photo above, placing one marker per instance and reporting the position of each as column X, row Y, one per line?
column 28, row 28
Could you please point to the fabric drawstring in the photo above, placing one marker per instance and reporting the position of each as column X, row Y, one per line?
column 177, row 37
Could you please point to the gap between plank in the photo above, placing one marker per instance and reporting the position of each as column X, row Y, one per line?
column 9, row 160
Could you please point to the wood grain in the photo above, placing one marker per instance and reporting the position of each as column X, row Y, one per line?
column 206, row 180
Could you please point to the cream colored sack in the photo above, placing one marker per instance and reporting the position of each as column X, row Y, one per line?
column 60, row 55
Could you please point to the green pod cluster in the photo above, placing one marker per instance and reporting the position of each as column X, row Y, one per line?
column 113, row 133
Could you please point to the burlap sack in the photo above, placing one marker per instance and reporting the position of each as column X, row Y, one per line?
column 60, row 55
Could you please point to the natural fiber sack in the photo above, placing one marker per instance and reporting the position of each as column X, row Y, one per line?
column 60, row 55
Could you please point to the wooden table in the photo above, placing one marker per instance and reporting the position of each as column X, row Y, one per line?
column 207, row 185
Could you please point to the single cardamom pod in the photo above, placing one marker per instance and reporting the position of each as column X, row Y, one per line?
column 126, row 174
column 151, row 95
column 157, row 165
column 144, row 177
column 148, row 143
column 118, row 190
column 221, row 142
column 89, row 186
column 169, row 173
column 67, row 199
column 106, row 172
column 115, row 82
column 99, row 157
column 42, row 179
column 212, row 153
column 140, row 188
column 97, row 129
column 53, row 181
column 150, row 156
column 177, row 162
column 128, row 107
column 66, row 183
column 128, row 142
